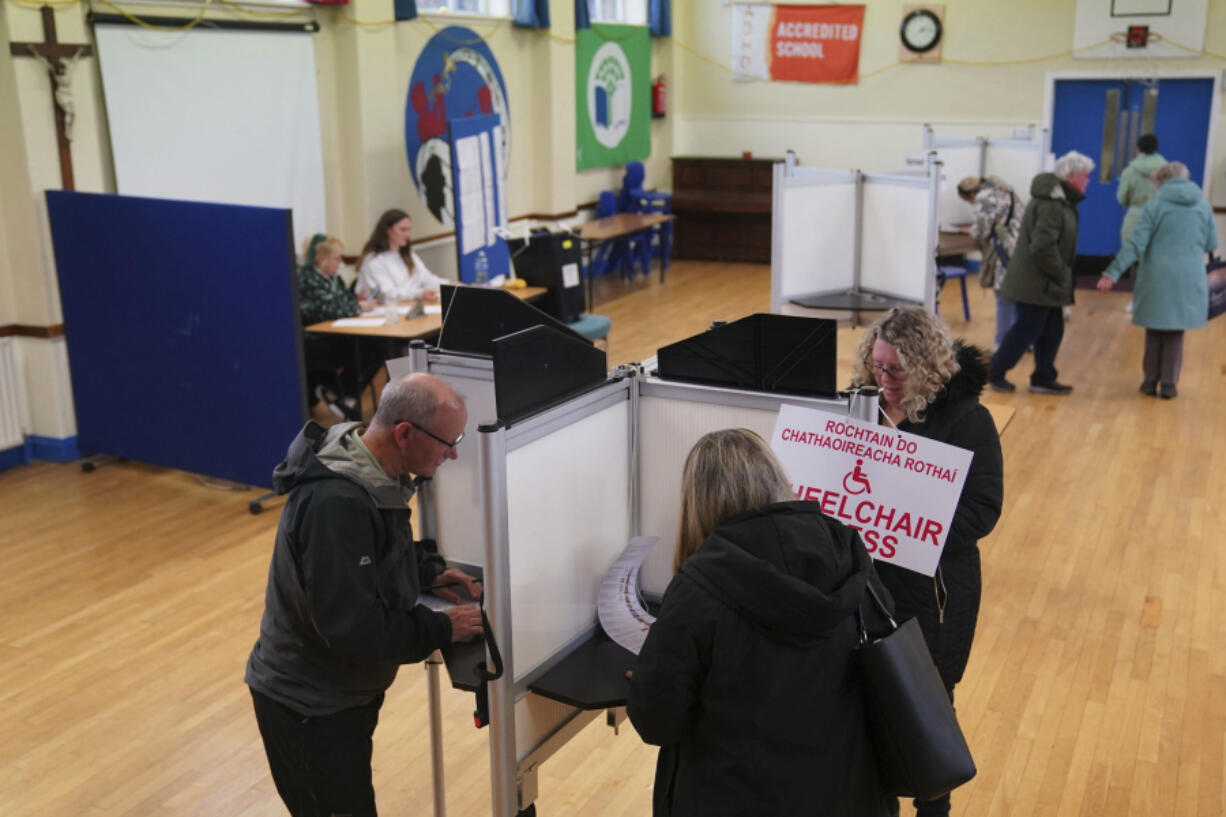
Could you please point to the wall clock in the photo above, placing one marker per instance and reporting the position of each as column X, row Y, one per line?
column 920, row 33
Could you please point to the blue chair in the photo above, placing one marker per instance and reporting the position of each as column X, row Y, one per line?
column 945, row 272
column 627, row 254
column 634, row 199
column 593, row 327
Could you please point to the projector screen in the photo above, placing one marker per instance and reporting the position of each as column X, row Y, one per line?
column 225, row 116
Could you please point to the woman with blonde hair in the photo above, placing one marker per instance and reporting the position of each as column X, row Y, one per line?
column 930, row 385
column 746, row 680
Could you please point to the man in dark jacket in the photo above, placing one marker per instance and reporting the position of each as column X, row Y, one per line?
column 1040, row 276
column 340, row 611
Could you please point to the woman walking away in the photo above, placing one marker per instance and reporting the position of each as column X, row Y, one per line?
column 1171, row 294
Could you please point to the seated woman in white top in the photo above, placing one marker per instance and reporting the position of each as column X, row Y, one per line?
column 389, row 269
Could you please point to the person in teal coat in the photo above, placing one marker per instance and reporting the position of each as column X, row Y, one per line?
column 1171, row 294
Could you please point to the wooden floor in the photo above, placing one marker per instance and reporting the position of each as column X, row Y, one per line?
column 1097, row 685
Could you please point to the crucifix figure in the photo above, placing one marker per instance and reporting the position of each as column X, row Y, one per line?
column 60, row 59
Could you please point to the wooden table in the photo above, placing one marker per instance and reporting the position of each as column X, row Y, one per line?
column 955, row 243
column 618, row 225
column 402, row 331
column 423, row 328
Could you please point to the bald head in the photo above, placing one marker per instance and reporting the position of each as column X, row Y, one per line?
column 413, row 398
column 418, row 419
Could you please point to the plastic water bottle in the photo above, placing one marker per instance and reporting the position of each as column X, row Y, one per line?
column 481, row 269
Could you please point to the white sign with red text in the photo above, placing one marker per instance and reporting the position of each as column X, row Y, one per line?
column 898, row 489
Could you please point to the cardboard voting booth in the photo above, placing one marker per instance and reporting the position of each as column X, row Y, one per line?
column 545, row 502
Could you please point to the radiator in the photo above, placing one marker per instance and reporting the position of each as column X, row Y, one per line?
column 11, row 396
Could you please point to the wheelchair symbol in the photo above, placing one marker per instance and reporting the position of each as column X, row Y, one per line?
column 859, row 480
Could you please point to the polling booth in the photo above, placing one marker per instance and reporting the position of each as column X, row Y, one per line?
column 853, row 240
column 567, row 469
column 1017, row 161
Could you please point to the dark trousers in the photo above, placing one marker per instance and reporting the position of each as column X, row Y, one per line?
column 1163, row 355
column 320, row 765
column 1039, row 326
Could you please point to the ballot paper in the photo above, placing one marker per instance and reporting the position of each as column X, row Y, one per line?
column 622, row 613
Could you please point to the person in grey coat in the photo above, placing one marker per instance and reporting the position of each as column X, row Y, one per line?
column 1168, row 246
column 1040, row 277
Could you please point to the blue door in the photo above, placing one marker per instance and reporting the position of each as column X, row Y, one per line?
column 1102, row 119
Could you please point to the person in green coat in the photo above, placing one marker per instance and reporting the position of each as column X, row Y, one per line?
column 1040, row 276
column 1171, row 294
column 1136, row 182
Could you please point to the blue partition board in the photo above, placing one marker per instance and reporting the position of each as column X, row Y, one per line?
column 184, row 339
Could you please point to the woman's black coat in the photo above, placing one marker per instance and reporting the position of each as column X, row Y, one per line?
column 748, row 679
column 956, row 418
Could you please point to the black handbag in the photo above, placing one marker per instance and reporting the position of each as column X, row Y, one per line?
column 920, row 749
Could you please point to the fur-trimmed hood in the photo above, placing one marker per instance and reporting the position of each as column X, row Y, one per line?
column 968, row 381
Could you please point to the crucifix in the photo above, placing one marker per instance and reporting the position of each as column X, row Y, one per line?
column 60, row 59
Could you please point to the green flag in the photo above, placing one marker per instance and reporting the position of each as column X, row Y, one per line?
column 613, row 95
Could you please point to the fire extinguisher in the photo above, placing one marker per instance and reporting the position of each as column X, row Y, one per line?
column 659, row 97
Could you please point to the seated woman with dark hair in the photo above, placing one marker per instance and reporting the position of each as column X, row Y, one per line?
column 389, row 269
column 746, row 680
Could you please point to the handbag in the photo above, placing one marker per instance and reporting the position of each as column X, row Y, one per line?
column 920, row 749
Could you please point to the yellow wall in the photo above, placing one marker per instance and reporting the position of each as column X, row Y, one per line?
column 363, row 72
column 992, row 78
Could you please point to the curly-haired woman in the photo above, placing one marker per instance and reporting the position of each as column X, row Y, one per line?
column 930, row 385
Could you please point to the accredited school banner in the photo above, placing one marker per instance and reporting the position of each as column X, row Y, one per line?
column 796, row 43
column 899, row 490
column 612, row 95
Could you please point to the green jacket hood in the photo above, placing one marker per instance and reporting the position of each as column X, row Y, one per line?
column 337, row 453
column 1147, row 163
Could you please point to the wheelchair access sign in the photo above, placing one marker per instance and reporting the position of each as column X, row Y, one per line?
column 899, row 490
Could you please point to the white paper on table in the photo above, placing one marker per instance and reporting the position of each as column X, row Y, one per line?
column 619, row 607
column 358, row 322
column 434, row 309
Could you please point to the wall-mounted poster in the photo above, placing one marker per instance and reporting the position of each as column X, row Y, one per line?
column 612, row 95
column 796, row 43
column 456, row 77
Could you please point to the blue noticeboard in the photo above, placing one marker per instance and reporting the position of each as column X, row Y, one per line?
column 480, row 203
column 184, row 339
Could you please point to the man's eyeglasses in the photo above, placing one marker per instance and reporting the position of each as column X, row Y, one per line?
column 434, row 436
column 895, row 372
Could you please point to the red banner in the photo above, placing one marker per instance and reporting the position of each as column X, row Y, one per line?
column 816, row 43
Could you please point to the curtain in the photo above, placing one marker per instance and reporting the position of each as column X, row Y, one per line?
column 660, row 18
column 583, row 16
column 532, row 13
column 405, row 9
